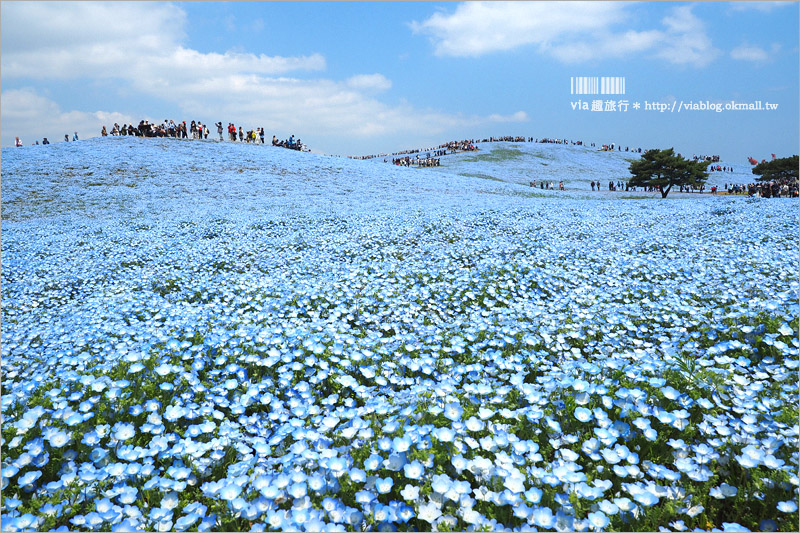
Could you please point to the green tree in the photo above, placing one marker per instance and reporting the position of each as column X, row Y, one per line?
column 783, row 170
column 664, row 169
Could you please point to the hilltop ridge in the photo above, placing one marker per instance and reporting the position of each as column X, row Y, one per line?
column 134, row 173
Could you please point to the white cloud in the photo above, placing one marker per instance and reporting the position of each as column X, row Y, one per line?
column 478, row 28
column 370, row 82
column 755, row 54
column 30, row 116
column 572, row 32
column 759, row 5
column 685, row 41
column 63, row 40
column 519, row 116
column 749, row 53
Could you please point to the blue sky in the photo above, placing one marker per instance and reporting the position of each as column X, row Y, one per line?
column 358, row 78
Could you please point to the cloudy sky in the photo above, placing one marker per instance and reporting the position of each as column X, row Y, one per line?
column 357, row 78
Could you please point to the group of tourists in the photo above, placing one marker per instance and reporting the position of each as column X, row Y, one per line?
column 196, row 130
column 548, row 140
column 289, row 143
column 250, row 136
column 718, row 168
column 418, row 161
column 625, row 186
column 451, row 147
column 547, row 185
column 613, row 147
column 771, row 189
column 612, row 186
column 508, row 139
column 18, row 142
column 708, row 158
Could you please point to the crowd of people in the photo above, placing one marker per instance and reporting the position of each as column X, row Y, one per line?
column 547, row 185
column 614, row 186
column 451, row 147
column 770, row 189
column 548, row 140
column 708, row 158
column 508, row 139
column 198, row 130
column 466, row 145
column 618, row 148
column 289, row 143
column 418, row 161
column 18, row 142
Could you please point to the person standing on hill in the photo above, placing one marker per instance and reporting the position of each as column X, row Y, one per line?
column 241, row 134
column 17, row 142
column 75, row 137
column 219, row 129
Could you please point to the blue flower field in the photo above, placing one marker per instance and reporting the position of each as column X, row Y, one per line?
column 202, row 336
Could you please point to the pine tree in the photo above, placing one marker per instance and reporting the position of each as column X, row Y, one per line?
column 664, row 169
column 783, row 170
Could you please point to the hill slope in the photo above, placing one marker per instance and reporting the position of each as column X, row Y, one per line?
column 245, row 336
column 576, row 166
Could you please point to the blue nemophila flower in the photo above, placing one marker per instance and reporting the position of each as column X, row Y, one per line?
column 124, row 431
column 583, row 414
column 444, row 434
column 453, row 411
column 27, row 479
column 384, row 485
column 364, row 497
column 608, row 507
column 401, row 444
column 543, row 517
column 733, row 527
column 186, row 521
column 413, row 470
column 429, row 512
column 410, row 493
column 768, row 524
column 751, row 456
column 598, row 520
column 723, row 491
column 770, row 461
column 441, row 483
column 24, row 522
column 11, row 503
column 373, row 462
column 475, row 424
column 787, row 506
column 317, row 483
column 230, row 492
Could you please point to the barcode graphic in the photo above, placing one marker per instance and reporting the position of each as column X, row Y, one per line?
column 597, row 85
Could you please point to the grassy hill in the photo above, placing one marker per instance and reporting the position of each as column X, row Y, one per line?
column 205, row 336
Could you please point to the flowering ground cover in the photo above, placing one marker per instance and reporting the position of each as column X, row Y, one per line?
column 222, row 337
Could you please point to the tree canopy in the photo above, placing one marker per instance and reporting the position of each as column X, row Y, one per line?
column 783, row 170
column 664, row 169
